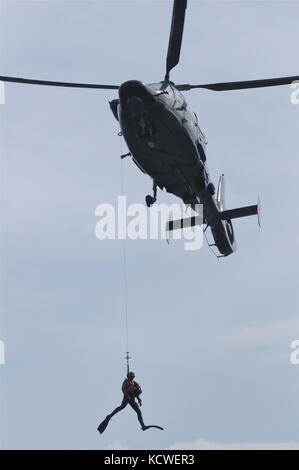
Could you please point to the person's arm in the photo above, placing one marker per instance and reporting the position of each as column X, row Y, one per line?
column 138, row 393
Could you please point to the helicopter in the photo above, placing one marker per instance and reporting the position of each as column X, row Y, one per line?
column 165, row 141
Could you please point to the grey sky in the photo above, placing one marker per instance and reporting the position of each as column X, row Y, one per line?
column 210, row 340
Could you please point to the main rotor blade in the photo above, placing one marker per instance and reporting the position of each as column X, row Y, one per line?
column 226, row 86
column 176, row 35
column 50, row 83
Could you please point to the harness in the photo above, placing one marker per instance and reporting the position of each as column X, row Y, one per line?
column 132, row 388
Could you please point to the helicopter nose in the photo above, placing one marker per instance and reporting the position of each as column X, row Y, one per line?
column 134, row 103
column 134, row 94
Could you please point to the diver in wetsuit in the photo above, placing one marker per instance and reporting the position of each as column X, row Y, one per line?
column 131, row 391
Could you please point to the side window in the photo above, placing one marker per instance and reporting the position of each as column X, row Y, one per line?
column 180, row 103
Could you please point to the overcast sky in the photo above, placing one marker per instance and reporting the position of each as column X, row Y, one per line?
column 210, row 340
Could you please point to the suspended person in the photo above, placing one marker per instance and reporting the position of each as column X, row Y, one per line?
column 131, row 391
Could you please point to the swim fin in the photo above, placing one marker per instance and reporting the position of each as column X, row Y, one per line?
column 144, row 428
column 102, row 426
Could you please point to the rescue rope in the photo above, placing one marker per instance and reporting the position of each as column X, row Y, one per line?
column 125, row 274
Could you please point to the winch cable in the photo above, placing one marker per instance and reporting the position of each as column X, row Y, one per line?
column 125, row 271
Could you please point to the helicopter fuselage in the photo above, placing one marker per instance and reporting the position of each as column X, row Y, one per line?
column 166, row 142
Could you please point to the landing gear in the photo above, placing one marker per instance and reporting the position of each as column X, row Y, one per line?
column 150, row 200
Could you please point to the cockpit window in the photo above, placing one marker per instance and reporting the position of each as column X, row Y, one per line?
column 156, row 86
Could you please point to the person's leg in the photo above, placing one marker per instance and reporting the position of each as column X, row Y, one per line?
column 103, row 425
column 119, row 408
column 139, row 414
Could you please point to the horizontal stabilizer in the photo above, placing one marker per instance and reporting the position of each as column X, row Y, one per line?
column 239, row 212
column 183, row 223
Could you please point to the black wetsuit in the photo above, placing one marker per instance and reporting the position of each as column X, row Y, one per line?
column 131, row 401
column 131, row 391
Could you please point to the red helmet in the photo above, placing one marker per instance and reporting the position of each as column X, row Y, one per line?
column 130, row 375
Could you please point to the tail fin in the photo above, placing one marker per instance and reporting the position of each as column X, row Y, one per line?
column 220, row 198
column 234, row 213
